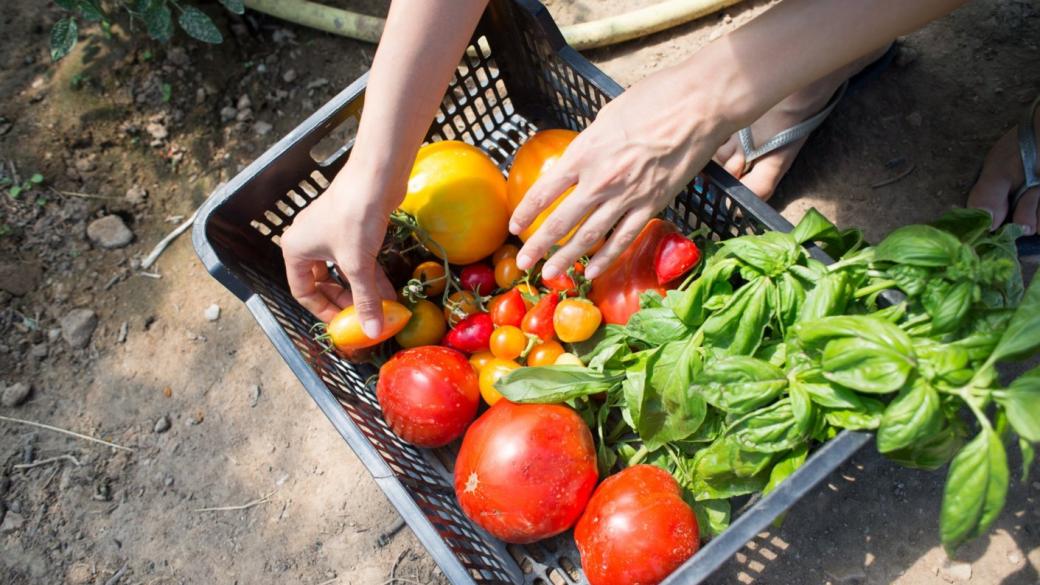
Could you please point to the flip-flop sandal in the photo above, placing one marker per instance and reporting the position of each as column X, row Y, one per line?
column 1027, row 150
column 806, row 127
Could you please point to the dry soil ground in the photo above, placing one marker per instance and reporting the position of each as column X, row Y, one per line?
column 215, row 419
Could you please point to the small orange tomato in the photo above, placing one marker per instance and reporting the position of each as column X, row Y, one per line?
column 431, row 275
column 426, row 327
column 507, row 273
column 568, row 359
column 494, row 371
column 346, row 333
column 506, row 251
column 480, row 359
column 460, row 304
column 508, row 342
column 545, row 353
column 576, row 320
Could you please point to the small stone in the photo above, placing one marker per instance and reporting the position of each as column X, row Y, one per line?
column 109, row 232
column 79, row 574
column 39, row 351
column 200, row 96
column 254, row 395
column 282, row 35
column 244, row 103
column 15, row 394
column 915, row 119
column 289, row 76
column 228, row 114
column 124, row 329
column 86, row 164
column 19, row 278
column 157, row 130
column 955, row 571
column 212, row 312
column 262, row 128
column 77, row 326
column 261, row 68
column 320, row 82
column 136, row 194
column 12, row 521
column 53, row 334
column 162, row 425
column 1014, row 557
column 168, row 481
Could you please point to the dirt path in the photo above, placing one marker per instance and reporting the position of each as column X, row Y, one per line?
column 214, row 417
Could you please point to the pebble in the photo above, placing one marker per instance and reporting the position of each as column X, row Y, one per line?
column 955, row 571
column 19, row 278
column 262, row 128
column 289, row 76
column 53, row 334
column 79, row 574
column 228, row 113
column 157, row 130
column 12, row 521
column 244, row 103
column 162, row 425
column 200, row 96
column 254, row 395
column 244, row 115
column 109, row 232
column 1014, row 557
column 86, row 164
column 77, row 326
column 915, row 119
column 136, row 194
column 39, row 351
column 212, row 312
column 123, row 330
column 178, row 56
column 320, row 82
column 16, row 394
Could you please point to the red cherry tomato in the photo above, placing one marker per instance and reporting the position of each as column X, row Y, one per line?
column 508, row 308
column 539, row 320
column 525, row 471
column 675, row 256
column 563, row 282
column 428, row 395
column 472, row 334
column 636, row 528
column 479, row 278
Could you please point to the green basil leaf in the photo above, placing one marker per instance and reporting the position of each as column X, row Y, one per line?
column 91, row 10
column 669, row 412
column 802, row 408
column 829, row 296
column 948, row 304
column 966, row 223
column 789, row 295
column 976, row 488
column 1021, row 402
column 814, row 227
column 713, row 517
column 1022, row 336
column 865, row 366
column 64, row 35
column 773, row 429
column 199, row 26
column 830, row 396
column 931, row 453
column 770, row 253
column 158, row 20
column 1028, row 456
column 633, row 389
column 868, row 417
column 656, row 326
column 866, row 327
column 554, row 384
column 721, row 470
column 690, row 306
column 739, row 384
column 987, row 330
column 785, row 466
column 234, row 6
column 912, row 280
column 740, row 327
column 919, row 245
column 912, row 417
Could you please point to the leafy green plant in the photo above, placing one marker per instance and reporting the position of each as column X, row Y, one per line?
column 729, row 382
column 156, row 17
column 15, row 190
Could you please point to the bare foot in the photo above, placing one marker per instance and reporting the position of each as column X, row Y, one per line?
column 1002, row 175
column 766, row 172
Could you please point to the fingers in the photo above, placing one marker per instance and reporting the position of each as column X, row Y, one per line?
column 592, row 231
column 364, row 288
column 1025, row 213
column 545, row 191
column 556, row 226
column 991, row 193
column 300, row 274
column 624, row 234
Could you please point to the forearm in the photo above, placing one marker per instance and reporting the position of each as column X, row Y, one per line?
column 795, row 43
column 422, row 44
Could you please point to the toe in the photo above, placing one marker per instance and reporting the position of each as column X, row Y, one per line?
column 767, row 171
column 990, row 193
column 1025, row 213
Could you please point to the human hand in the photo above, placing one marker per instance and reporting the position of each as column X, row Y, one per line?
column 346, row 226
column 625, row 167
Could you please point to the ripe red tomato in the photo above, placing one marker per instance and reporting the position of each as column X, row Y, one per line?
column 508, row 308
column 539, row 320
column 636, row 528
column 576, row 320
column 428, row 394
column 616, row 291
column 479, row 278
column 472, row 334
column 525, row 471
column 675, row 256
column 563, row 282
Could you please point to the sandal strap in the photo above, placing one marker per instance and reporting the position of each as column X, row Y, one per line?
column 1028, row 151
column 792, row 134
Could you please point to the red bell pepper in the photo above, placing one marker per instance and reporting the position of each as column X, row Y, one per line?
column 616, row 291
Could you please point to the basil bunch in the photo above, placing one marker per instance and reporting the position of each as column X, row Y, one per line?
column 730, row 381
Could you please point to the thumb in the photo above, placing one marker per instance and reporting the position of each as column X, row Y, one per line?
column 367, row 301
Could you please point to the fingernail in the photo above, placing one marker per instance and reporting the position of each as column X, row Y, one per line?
column 524, row 261
column 550, row 271
column 514, row 228
column 591, row 272
column 371, row 327
column 1027, row 230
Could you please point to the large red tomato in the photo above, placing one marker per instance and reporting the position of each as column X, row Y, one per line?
column 525, row 471
column 636, row 529
column 428, row 395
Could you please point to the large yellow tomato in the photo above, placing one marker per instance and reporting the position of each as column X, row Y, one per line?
column 458, row 196
column 536, row 156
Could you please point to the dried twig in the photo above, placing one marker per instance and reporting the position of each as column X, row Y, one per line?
column 82, row 195
column 894, row 179
column 119, row 575
column 165, row 242
column 48, row 461
column 154, row 275
column 401, row 580
column 66, row 432
column 245, row 506
column 400, row 557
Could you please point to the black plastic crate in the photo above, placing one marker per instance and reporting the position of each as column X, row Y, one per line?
column 518, row 76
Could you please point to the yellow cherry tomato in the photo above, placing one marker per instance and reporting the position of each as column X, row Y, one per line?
column 345, row 328
column 458, row 196
column 568, row 359
column 508, row 342
column 576, row 320
column 545, row 353
column 426, row 327
column 480, row 359
column 431, row 274
column 507, row 273
column 491, row 373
